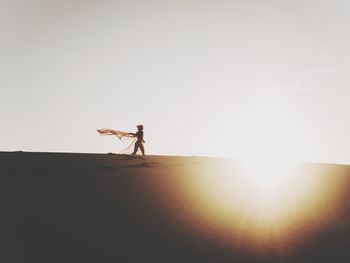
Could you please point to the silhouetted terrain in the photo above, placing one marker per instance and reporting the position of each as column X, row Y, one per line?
column 58, row 207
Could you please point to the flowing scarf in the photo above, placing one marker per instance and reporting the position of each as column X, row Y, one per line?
column 120, row 135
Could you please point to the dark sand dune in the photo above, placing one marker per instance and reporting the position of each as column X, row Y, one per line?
column 118, row 208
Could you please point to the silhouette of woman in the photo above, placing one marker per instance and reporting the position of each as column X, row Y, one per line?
column 139, row 143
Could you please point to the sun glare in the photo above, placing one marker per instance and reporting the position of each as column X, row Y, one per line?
column 264, row 204
column 273, row 187
column 263, row 191
column 264, row 199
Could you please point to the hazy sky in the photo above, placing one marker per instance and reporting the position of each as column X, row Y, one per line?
column 214, row 78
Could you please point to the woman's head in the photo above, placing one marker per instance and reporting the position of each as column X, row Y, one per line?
column 139, row 127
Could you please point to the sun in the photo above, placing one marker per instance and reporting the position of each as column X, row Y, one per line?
column 265, row 192
column 274, row 187
column 259, row 205
column 269, row 148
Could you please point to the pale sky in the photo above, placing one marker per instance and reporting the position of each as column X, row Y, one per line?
column 213, row 78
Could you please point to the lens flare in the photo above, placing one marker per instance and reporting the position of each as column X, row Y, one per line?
column 261, row 205
column 273, row 189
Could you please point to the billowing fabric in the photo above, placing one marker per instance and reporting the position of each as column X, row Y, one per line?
column 120, row 135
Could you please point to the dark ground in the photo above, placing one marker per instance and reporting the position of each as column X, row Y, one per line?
column 59, row 207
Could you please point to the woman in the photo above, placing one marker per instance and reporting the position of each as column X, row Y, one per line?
column 139, row 143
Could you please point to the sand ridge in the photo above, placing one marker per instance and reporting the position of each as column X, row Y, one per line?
column 71, row 207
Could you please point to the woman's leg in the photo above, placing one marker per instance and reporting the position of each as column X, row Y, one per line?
column 142, row 148
column 137, row 145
